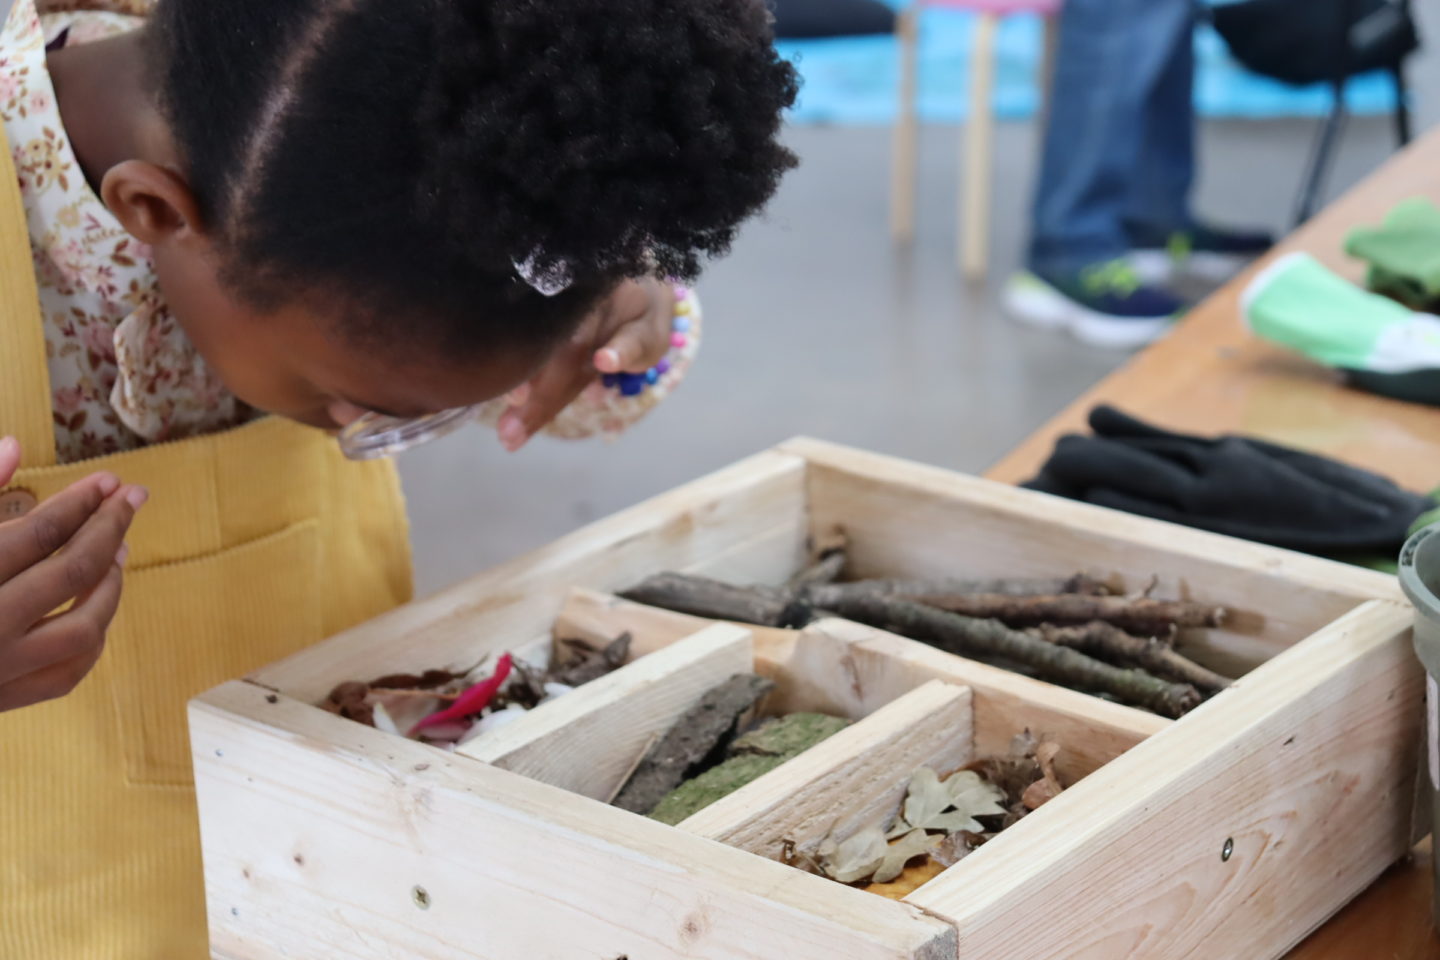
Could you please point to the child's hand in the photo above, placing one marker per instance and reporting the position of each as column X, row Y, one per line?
column 68, row 548
column 628, row 333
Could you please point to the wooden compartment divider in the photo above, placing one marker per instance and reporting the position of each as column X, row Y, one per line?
column 588, row 740
column 853, row 779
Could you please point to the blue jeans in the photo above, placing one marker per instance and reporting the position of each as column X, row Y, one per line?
column 1119, row 153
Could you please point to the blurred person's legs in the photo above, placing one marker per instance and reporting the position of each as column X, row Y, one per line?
column 1118, row 85
column 1164, row 237
column 1117, row 166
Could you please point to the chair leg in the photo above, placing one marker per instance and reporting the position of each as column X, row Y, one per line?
column 907, row 123
column 1402, row 105
column 974, row 213
column 1321, row 153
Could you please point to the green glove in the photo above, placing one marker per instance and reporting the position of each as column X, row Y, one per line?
column 1403, row 254
column 1296, row 302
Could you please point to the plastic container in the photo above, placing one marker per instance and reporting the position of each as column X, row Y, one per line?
column 1420, row 578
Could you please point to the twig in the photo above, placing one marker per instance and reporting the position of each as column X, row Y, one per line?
column 702, row 597
column 825, row 570
column 1140, row 616
column 1108, row 642
column 1003, row 586
column 969, row 636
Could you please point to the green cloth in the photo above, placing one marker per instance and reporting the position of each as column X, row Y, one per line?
column 1298, row 303
column 1403, row 254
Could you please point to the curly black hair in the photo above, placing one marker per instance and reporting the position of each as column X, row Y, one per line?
column 402, row 157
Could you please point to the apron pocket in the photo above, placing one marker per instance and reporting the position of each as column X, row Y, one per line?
column 187, row 626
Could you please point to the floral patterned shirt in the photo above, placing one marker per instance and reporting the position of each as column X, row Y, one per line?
column 122, row 372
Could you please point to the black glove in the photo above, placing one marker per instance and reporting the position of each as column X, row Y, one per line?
column 1233, row 485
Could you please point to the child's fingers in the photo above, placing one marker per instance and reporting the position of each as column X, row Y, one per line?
column 49, row 684
column 9, row 459
column 74, row 637
column 27, row 540
column 552, row 390
column 72, row 572
column 635, row 348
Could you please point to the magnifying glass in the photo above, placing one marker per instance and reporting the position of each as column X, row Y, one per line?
column 374, row 435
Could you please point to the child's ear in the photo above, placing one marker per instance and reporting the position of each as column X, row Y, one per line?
column 153, row 204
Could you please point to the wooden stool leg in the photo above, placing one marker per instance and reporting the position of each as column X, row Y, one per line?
column 975, row 187
column 903, row 162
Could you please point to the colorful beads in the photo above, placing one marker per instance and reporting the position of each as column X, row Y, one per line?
column 633, row 384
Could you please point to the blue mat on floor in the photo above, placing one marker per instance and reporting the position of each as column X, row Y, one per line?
column 854, row 80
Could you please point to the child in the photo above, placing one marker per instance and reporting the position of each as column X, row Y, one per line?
column 337, row 211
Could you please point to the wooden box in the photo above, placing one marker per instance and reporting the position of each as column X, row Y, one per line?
column 1229, row 833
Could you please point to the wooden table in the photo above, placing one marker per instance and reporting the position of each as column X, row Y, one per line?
column 1211, row 376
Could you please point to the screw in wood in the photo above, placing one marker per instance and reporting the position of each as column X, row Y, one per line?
column 1227, row 850
column 421, row 896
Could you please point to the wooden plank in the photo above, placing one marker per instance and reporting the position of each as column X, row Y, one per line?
column 1302, row 770
column 869, row 668
column 317, row 833
column 904, row 519
column 749, row 517
column 1093, row 732
column 588, row 740
column 853, row 779
column 1211, row 375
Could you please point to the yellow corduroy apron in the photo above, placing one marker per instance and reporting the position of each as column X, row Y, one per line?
column 255, row 543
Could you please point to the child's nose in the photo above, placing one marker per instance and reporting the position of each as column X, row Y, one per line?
column 344, row 413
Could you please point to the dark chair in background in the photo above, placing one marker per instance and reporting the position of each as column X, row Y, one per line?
column 1323, row 41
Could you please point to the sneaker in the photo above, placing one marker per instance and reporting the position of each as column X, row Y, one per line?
column 1104, row 305
column 1204, row 253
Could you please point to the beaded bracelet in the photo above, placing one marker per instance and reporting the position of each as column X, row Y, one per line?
column 633, row 384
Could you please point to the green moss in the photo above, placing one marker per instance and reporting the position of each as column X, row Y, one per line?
column 788, row 735
column 752, row 756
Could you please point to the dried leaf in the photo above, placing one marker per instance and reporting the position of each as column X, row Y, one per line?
column 928, row 805
column 855, row 858
column 590, row 663
column 900, row 852
column 954, row 848
column 382, row 720
column 1048, row 787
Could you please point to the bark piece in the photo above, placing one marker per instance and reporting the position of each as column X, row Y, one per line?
column 751, row 757
column 973, row 637
column 696, row 735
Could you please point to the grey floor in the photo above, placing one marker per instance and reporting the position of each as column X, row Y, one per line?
column 815, row 325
